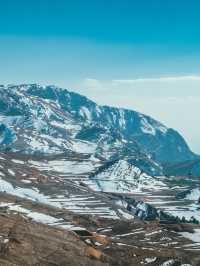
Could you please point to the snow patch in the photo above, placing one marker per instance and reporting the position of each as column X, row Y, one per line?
column 194, row 194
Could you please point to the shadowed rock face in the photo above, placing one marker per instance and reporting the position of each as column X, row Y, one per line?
column 26, row 243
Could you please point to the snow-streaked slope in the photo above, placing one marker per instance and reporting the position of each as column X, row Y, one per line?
column 87, row 205
column 49, row 120
column 123, row 176
column 194, row 194
column 29, row 124
column 58, row 183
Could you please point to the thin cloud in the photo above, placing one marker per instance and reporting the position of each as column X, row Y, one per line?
column 160, row 79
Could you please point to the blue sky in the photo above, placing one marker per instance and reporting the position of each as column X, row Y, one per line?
column 144, row 21
column 142, row 54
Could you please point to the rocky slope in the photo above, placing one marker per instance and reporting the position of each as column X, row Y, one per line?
column 125, row 176
column 38, row 234
column 42, row 120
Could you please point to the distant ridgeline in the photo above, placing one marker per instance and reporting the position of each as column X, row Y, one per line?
column 48, row 120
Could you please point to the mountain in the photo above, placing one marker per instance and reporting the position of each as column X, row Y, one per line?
column 38, row 119
column 125, row 176
column 187, row 168
column 84, row 184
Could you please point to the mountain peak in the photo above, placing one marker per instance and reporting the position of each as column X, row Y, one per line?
column 59, row 120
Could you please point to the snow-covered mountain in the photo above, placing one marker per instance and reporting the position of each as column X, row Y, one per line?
column 59, row 151
column 126, row 176
column 38, row 119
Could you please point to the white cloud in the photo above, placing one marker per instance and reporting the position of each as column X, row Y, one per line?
column 159, row 79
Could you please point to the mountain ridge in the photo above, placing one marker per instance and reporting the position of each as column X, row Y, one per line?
column 67, row 121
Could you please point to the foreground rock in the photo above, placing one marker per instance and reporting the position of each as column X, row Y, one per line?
column 37, row 234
